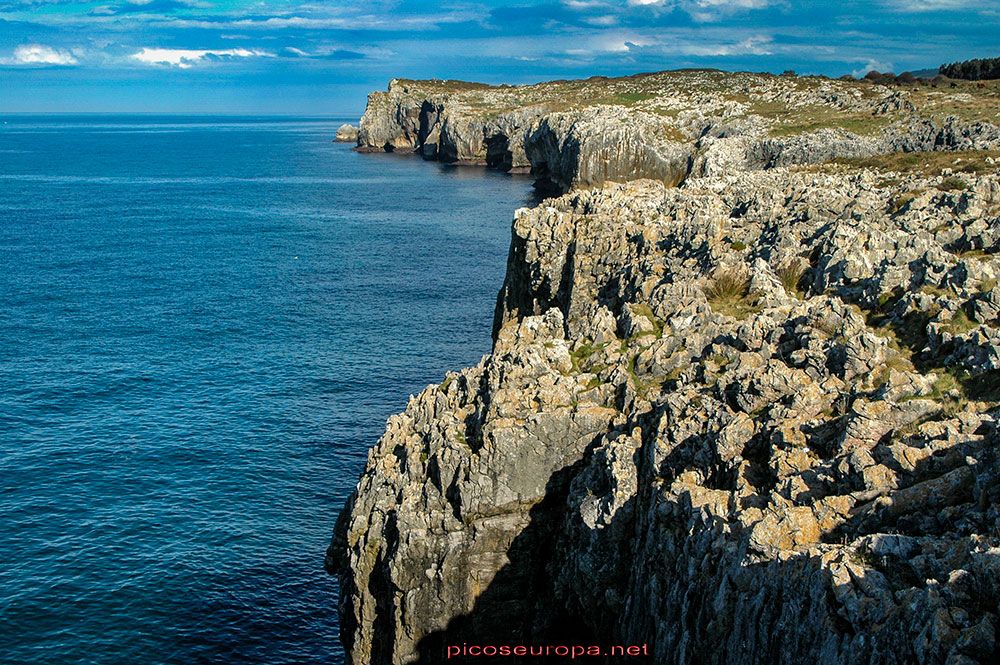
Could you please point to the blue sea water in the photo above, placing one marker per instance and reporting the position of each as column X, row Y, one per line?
column 204, row 323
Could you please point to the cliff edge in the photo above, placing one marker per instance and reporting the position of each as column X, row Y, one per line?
column 747, row 419
column 668, row 126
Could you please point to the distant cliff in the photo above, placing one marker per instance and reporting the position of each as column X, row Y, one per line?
column 670, row 125
column 750, row 419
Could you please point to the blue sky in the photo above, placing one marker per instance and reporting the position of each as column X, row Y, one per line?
column 321, row 58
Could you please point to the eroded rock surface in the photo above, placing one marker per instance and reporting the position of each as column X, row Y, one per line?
column 347, row 133
column 750, row 419
column 670, row 125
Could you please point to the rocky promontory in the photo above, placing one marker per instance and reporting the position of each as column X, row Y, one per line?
column 669, row 126
column 741, row 406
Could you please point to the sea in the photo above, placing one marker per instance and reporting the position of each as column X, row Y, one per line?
column 204, row 324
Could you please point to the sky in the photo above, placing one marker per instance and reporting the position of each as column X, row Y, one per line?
column 322, row 58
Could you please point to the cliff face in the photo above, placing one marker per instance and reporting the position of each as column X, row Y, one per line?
column 750, row 419
column 668, row 126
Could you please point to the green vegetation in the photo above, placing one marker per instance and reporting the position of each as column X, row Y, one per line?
column 788, row 120
column 642, row 309
column 673, row 375
column 581, row 354
column 968, row 101
column 629, row 98
column 791, row 275
column 930, row 164
column 900, row 202
column 669, row 93
column 952, row 184
column 960, row 323
column 949, row 391
column 473, row 442
column 953, row 386
column 728, row 292
column 972, row 70
column 720, row 360
column 980, row 254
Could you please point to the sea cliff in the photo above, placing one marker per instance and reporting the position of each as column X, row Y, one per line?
column 742, row 401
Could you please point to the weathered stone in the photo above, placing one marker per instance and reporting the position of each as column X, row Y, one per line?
column 347, row 133
column 730, row 475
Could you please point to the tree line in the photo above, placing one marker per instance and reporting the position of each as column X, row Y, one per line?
column 973, row 70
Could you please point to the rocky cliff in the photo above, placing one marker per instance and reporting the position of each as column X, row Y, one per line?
column 671, row 125
column 748, row 419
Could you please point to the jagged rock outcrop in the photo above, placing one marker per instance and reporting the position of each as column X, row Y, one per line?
column 665, row 126
column 748, row 419
column 347, row 133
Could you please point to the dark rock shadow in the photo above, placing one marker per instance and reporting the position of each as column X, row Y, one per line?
column 673, row 586
column 520, row 606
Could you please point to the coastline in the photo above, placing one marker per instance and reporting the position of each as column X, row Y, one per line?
column 757, row 372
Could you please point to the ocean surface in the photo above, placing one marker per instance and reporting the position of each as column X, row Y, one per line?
column 204, row 323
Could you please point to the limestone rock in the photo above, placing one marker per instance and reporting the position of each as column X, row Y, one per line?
column 797, row 464
column 347, row 133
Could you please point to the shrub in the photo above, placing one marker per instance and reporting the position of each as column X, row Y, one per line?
column 953, row 183
column 728, row 292
column 791, row 275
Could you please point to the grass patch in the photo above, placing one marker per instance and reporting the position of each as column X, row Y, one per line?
column 789, row 120
column 642, row 309
column 673, row 375
column 446, row 383
column 936, row 291
column 581, row 354
column 629, row 98
column 953, row 184
column 899, row 362
column 728, row 292
column 720, row 360
column 977, row 104
column 960, row 323
column 930, row 164
column 980, row 254
column 900, row 202
column 791, row 275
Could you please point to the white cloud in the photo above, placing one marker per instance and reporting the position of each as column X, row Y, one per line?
column 933, row 5
column 37, row 54
column 185, row 58
column 707, row 10
column 733, row 4
column 610, row 44
column 602, row 21
column 870, row 65
column 757, row 45
column 583, row 5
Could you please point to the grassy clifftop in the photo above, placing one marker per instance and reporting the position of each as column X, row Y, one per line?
column 786, row 104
